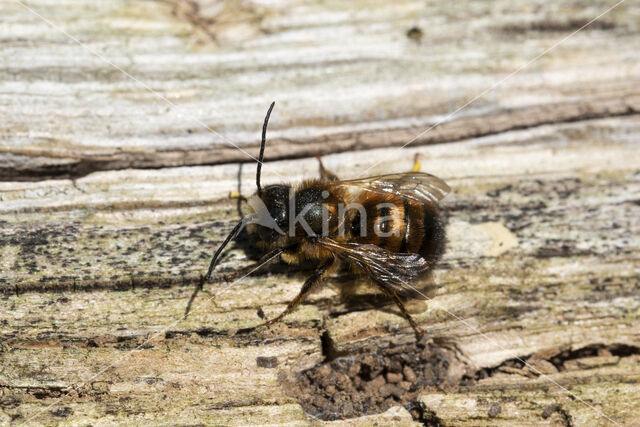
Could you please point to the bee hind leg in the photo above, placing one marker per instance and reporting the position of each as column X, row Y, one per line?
column 394, row 296
column 326, row 173
column 308, row 286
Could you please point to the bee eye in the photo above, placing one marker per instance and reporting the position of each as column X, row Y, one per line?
column 314, row 218
column 310, row 211
column 276, row 199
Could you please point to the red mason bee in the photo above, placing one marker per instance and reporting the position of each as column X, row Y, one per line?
column 388, row 228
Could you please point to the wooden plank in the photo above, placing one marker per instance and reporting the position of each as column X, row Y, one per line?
column 504, row 400
column 347, row 79
column 571, row 279
column 533, row 316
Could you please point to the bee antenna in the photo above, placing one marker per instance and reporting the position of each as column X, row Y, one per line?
column 236, row 230
column 264, row 141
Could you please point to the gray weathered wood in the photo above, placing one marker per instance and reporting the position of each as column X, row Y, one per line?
column 345, row 78
column 95, row 271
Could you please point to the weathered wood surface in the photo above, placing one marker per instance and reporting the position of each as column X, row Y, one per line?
column 345, row 77
column 544, row 216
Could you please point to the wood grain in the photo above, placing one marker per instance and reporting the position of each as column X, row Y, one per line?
column 96, row 265
column 200, row 75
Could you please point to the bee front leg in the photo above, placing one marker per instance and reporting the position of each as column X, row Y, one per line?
column 394, row 296
column 315, row 278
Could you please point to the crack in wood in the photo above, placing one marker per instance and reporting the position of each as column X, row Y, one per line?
column 474, row 126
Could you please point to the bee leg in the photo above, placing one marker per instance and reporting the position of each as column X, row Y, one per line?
column 394, row 296
column 237, row 195
column 240, row 198
column 416, row 163
column 326, row 173
column 315, row 278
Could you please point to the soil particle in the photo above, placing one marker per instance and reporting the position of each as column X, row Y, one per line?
column 546, row 413
column 409, row 375
column 62, row 412
column 393, row 377
column 415, row 34
column 405, row 385
column 564, row 416
column 267, row 362
column 343, row 382
column 374, row 385
column 494, row 410
column 391, row 390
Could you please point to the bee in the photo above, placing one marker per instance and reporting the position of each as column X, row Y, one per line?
column 387, row 228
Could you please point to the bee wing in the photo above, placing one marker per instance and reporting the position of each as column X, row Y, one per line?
column 395, row 270
column 419, row 186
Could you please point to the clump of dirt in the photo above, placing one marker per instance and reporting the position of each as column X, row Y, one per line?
column 371, row 383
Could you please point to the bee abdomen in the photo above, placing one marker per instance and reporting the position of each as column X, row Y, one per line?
column 433, row 239
column 400, row 225
column 382, row 222
column 423, row 232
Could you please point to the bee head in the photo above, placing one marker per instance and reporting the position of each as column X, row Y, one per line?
column 271, row 207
